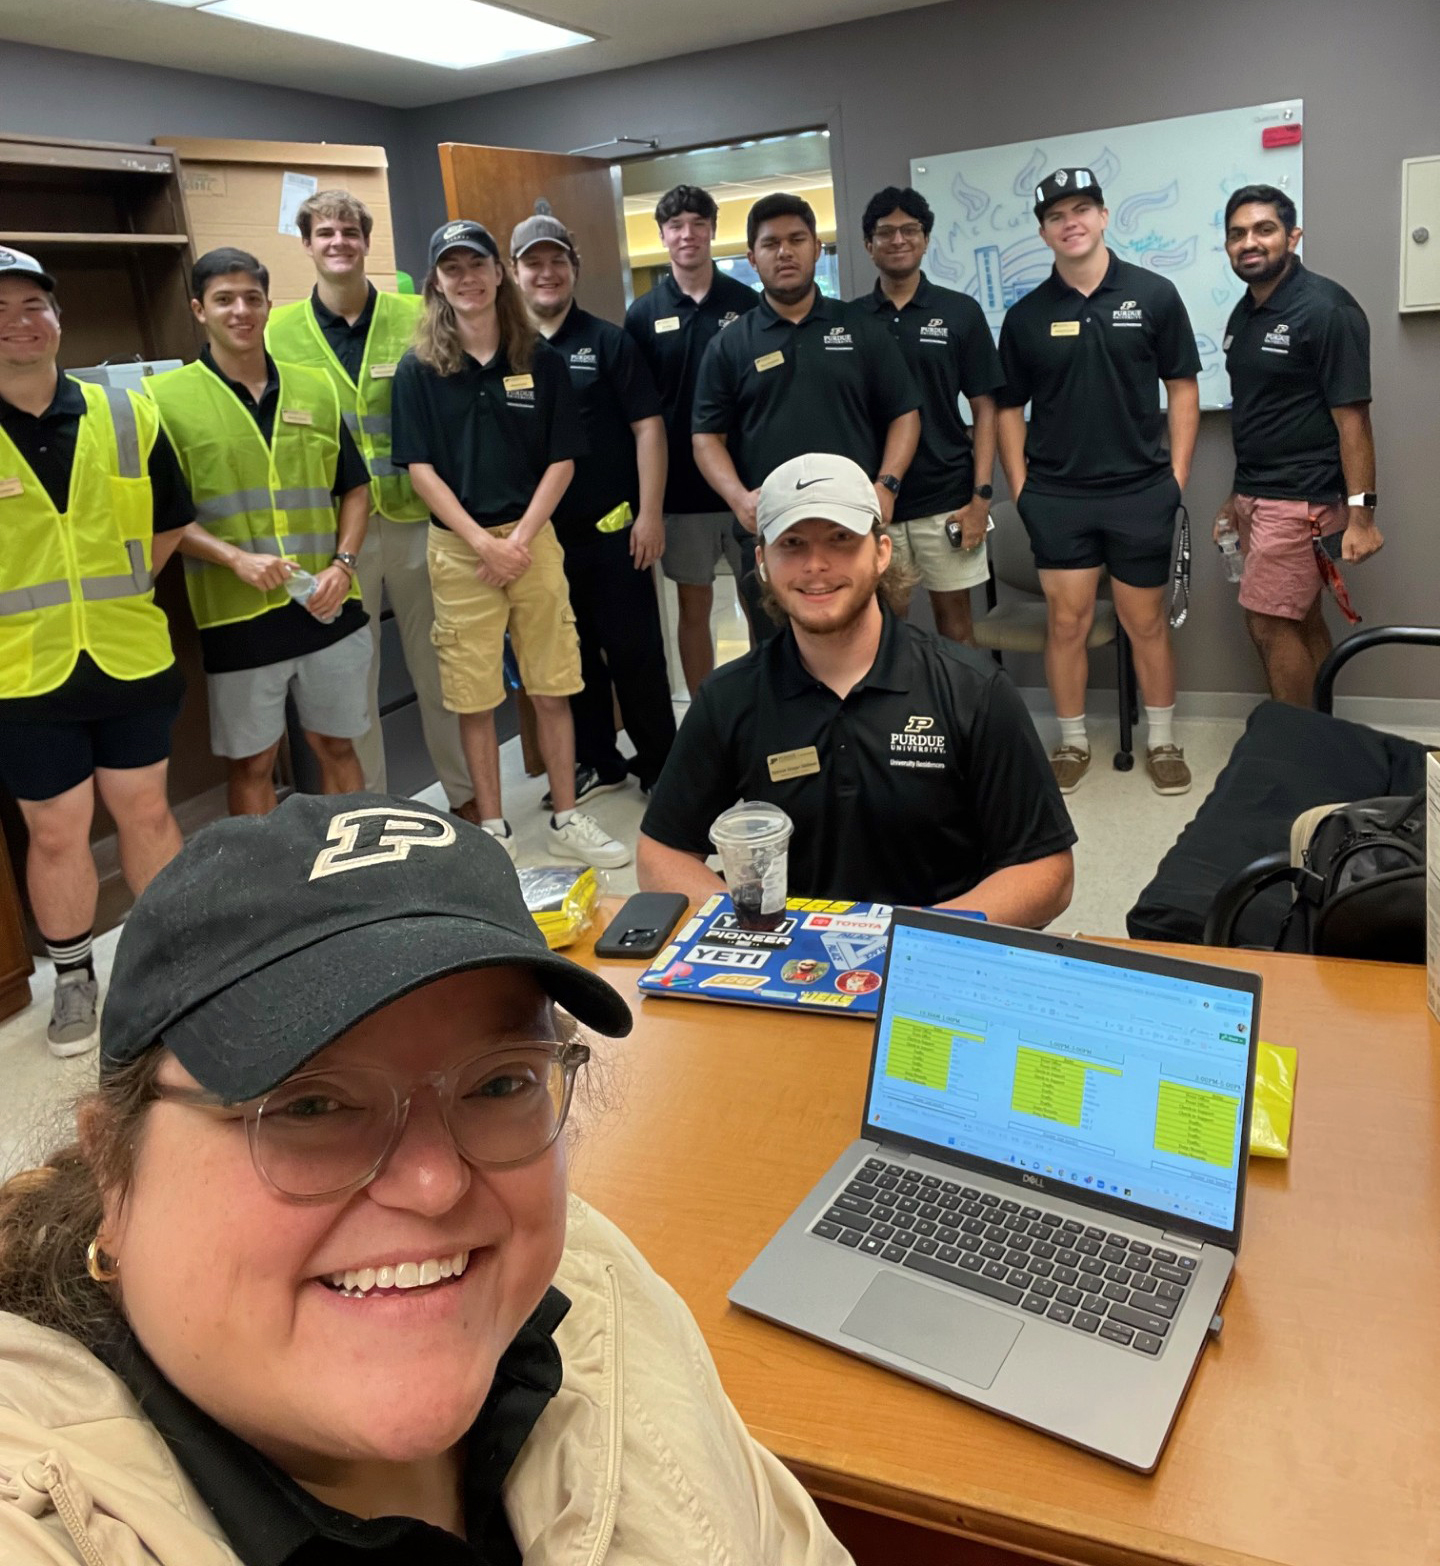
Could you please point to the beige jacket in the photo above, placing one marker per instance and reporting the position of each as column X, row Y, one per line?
column 640, row 1459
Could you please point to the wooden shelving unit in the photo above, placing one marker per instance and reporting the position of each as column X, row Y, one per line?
column 109, row 222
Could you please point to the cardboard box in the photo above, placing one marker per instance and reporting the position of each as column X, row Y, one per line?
column 233, row 194
column 1432, row 880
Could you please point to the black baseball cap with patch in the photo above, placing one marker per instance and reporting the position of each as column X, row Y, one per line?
column 1066, row 182
column 267, row 937
column 462, row 235
column 15, row 263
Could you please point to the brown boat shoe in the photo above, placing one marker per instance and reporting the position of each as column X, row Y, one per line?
column 1167, row 769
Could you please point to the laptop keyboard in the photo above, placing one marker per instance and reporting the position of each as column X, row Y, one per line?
column 1092, row 1280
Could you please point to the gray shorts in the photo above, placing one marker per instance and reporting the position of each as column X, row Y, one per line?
column 331, row 690
column 695, row 543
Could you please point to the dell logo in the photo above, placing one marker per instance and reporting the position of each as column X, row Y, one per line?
column 1029, row 1179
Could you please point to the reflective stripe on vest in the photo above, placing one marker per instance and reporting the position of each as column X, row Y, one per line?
column 294, row 335
column 80, row 580
column 263, row 498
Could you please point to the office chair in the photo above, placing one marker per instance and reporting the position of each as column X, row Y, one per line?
column 1018, row 623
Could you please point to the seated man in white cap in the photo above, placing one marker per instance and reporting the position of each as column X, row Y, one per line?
column 907, row 763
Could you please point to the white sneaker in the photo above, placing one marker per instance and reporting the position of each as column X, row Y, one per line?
column 583, row 838
column 73, row 1023
column 505, row 839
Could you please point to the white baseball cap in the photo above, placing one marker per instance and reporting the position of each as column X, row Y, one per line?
column 816, row 487
column 15, row 263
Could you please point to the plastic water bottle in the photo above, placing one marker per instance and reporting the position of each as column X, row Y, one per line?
column 1234, row 562
column 301, row 586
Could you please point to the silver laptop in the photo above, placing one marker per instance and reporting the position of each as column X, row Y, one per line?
column 1042, row 1213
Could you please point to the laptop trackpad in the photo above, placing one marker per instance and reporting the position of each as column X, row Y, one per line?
column 934, row 1328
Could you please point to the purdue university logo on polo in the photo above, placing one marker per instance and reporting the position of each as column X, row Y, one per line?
column 378, row 835
column 917, row 745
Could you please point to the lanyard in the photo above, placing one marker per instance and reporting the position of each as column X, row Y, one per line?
column 1180, row 575
column 1330, row 572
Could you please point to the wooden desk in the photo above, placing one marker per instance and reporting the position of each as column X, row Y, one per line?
column 1311, row 1434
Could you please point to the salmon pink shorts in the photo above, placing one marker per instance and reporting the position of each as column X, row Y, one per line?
column 1281, row 576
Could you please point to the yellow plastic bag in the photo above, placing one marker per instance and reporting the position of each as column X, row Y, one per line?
column 1274, row 1101
column 561, row 901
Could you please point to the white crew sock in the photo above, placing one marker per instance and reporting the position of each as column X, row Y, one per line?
column 498, row 825
column 561, row 817
column 1159, row 721
column 1072, row 732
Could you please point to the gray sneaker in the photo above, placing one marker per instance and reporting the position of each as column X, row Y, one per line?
column 72, row 1029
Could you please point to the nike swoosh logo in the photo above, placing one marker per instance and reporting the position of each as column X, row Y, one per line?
column 806, row 483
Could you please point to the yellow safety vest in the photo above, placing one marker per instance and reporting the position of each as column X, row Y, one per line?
column 270, row 499
column 294, row 335
column 80, row 580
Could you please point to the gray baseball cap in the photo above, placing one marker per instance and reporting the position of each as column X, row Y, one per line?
column 818, row 486
column 543, row 228
column 15, row 263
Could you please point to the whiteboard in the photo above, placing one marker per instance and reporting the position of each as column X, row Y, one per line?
column 1165, row 184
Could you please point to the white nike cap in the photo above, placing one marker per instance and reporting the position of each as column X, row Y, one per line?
column 816, row 487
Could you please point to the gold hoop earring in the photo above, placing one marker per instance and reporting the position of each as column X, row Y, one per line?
column 93, row 1266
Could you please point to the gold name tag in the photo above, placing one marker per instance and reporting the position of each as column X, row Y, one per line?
column 793, row 763
column 1064, row 328
column 382, row 372
column 769, row 361
column 519, row 383
column 296, row 416
column 669, row 323
column 11, row 488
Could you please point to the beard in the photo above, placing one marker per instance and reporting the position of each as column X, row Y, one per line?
column 834, row 623
column 549, row 309
column 790, row 293
column 1267, row 273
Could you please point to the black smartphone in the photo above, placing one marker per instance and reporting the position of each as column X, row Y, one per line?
column 643, row 925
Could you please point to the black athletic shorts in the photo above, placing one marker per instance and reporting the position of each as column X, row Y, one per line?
column 91, row 721
column 1132, row 536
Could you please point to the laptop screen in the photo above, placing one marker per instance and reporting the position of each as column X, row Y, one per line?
column 1103, row 1078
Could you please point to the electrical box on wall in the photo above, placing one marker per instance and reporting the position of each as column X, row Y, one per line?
column 1420, row 234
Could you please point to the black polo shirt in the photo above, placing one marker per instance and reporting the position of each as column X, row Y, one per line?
column 947, row 345
column 489, row 430
column 672, row 331
column 1091, row 367
column 47, row 442
column 778, row 389
column 614, row 390
column 1291, row 360
column 289, row 631
column 346, row 342
column 270, row 1520
column 928, row 776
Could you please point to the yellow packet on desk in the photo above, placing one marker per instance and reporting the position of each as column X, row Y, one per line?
column 616, row 521
column 1274, row 1101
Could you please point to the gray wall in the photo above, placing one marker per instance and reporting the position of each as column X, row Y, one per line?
column 982, row 72
column 51, row 92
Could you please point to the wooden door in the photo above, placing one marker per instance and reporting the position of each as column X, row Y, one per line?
column 498, row 186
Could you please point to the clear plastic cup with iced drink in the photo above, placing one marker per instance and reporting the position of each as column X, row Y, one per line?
column 753, row 841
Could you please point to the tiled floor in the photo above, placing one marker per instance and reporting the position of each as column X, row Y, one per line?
column 1124, row 830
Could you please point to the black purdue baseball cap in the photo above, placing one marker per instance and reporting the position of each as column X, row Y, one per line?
column 462, row 235
column 267, row 937
column 1066, row 182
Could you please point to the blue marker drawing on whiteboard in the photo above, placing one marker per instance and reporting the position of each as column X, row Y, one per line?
column 1133, row 208
column 972, row 201
column 1029, row 176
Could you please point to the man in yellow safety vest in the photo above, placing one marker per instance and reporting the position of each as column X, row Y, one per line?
column 269, row 567
column 92, row 504
column 357, row 335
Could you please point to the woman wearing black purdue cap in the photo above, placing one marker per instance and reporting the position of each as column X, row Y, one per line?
column 308, row 1288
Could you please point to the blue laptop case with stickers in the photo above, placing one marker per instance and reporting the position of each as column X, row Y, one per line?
column 823, row 956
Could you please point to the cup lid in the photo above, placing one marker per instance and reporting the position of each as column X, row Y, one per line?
column 754, row 822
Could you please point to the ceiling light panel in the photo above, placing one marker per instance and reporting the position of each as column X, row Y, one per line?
column 456, row 34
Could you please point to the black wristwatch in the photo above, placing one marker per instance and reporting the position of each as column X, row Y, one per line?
column 984, row 492
column 1364, row 501
column 890, row 482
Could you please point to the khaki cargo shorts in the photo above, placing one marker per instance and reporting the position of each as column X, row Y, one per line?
column 471, row 619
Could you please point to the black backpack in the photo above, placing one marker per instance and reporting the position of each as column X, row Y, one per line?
column 1361, row 889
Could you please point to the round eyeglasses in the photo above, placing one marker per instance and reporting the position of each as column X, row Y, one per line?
column 325, row 1134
